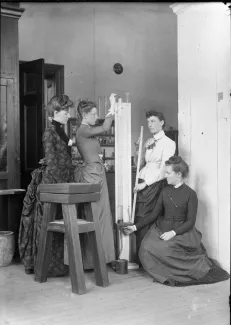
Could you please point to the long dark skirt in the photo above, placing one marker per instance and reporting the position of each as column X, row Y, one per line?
column 95, row 173
column 180, row 261
column 29, row 232
column 145, row 203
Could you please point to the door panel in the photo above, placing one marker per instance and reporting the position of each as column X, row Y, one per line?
column 3, row 127
column 31, row 117
column 9, row 139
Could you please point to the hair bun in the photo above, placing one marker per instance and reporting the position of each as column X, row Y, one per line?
column 179, row 165
column 178, row 159
column 84, row 106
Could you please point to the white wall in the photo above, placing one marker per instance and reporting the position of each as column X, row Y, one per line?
column 204, row 121
column 89, row 38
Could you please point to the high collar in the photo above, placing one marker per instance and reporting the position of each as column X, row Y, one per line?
column 82, row 123
column 178, row 185
column 57, row 124
column 158, row 135
column 60, row 131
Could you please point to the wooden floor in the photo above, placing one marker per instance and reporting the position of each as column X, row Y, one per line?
column 130, row 299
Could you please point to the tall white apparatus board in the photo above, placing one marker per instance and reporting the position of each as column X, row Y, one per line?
column 123, row 172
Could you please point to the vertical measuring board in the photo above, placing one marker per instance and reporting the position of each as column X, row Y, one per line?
column 123, row 172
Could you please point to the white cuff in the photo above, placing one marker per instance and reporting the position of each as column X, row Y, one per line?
column 134, row 228
column 147, row 180
column 173, row 232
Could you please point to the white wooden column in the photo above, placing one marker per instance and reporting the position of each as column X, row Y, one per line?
column 123, row 173
column 204, row 116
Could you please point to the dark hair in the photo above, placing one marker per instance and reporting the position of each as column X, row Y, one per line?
column 58, row 103
column 85, row 106
column 152, row 112
column 178, row 165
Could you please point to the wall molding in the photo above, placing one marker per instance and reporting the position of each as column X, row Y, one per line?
column 179, row 7
column 228, row 8
column 11, row 12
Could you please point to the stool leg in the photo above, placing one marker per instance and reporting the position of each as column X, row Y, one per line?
column 100, row 267
column 74, row 249
column 45, row 242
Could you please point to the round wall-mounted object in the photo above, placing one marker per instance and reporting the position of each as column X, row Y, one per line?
column 118, row 68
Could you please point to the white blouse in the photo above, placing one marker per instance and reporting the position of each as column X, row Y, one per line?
column 155, row 158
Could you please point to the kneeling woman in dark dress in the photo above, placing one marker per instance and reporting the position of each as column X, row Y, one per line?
column 172, row 251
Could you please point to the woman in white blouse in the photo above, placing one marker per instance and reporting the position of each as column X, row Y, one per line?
column 157, row 149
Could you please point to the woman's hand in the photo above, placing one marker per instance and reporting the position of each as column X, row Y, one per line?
column 167, row 235
column 137, row 143
column 110, row 113
column 112, row 99
column 70, row 143
column 42, row 161
column 128, row 230
column 139, row 187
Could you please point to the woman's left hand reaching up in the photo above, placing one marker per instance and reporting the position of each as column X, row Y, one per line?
column 112, row 99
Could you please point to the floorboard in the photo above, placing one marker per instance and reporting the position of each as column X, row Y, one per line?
column 130, row 299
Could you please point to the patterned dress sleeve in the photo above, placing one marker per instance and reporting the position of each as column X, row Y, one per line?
column 56, row 160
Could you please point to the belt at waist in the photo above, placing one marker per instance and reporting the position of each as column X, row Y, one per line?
column 87, row 162
column 154, row 167
column 173, row 218
column 93, row 159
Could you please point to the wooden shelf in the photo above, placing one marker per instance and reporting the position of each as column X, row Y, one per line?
column 12, row 191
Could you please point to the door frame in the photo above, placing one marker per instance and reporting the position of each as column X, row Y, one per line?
column 12, row 174
column 55, row 69
column 58, row 71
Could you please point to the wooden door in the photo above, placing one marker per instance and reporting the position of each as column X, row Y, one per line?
column 31, row 117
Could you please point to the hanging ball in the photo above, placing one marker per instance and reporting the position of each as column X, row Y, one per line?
column 118, row 68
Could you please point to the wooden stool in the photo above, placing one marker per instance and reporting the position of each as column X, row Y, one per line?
column 70, row 194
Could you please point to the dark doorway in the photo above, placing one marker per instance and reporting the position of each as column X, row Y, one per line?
column 39, row 81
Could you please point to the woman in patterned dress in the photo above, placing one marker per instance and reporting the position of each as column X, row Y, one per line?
column 172, row 252
column 57, row 168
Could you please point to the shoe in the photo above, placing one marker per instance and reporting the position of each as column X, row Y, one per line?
column 29, row 271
